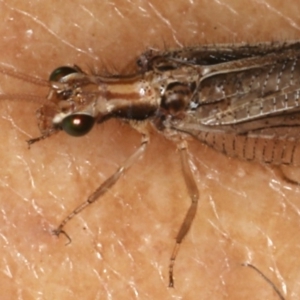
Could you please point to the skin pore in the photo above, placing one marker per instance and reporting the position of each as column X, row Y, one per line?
column 121, row 245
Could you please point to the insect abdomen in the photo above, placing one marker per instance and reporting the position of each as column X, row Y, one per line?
column 275, row 151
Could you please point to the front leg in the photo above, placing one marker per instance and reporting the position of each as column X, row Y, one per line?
column 104, row 187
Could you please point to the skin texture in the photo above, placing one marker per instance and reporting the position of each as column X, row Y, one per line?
column 121, row 245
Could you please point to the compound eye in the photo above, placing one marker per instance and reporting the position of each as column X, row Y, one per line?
column 61, row 72
column 78, row 124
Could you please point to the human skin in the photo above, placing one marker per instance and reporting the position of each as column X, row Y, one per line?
column 121, row 245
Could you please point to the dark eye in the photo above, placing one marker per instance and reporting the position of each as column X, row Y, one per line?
column 77, row 124
column 61, row 72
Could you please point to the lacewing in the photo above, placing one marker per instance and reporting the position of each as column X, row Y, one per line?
column 241, row 100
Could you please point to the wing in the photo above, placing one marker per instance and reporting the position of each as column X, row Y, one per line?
column 249, row 108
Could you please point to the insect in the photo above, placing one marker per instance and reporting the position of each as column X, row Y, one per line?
column 241, row 100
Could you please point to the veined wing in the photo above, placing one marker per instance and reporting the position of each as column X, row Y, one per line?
column 251, row 113
column 256, row 93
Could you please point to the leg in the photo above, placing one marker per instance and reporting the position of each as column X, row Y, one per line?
column 190, row 215
column 103, row 188
column 290, row 174
column 266, row 279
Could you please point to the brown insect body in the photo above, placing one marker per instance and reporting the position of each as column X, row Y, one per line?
column 241, row 100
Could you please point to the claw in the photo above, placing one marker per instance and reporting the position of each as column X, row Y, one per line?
column 57, row 232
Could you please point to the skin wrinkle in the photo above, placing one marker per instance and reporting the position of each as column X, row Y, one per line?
column 279, row 13
column 42, row 24
column 121, row 245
